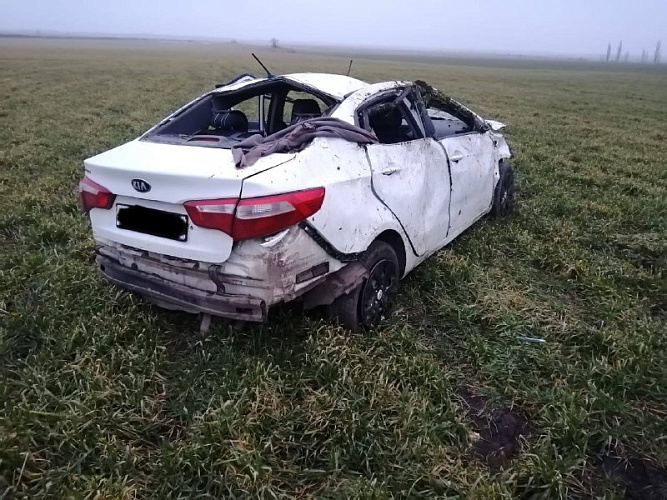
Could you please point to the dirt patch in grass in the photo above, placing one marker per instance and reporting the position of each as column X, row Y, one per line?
column 497, row 431
column 641, row 478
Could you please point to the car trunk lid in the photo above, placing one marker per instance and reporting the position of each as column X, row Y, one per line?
column 152, row 181
column 173, row 173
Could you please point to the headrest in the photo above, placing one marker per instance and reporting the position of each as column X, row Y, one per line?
column 386, row 119
column 229, row 119
column 305, row 108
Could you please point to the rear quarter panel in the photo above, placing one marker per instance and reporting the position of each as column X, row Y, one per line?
column 351, row 216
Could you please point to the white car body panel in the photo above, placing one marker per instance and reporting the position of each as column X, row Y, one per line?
column 495, row 125
column 341, row 220
column 421, row 194
column 337, row 86
column 396, row 179
column 474, row 170
column 176, row 173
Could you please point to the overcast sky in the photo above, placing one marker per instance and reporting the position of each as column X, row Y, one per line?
column 516, row 26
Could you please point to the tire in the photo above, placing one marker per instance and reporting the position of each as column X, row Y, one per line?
column 365, row 307
column 503, row 196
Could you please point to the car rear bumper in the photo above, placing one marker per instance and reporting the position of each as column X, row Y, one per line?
column 183, row 297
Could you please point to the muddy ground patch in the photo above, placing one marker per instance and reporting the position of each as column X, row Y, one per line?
column 641, row 478
column 497, row 432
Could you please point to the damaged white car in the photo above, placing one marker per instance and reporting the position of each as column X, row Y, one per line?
column 311, row 186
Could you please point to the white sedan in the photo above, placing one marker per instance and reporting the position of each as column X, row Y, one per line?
column 311, row 186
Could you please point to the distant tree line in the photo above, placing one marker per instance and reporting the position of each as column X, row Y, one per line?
column 657, row 54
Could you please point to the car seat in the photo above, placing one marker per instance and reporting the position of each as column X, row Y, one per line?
column 228, row 121
column 386, row 123
column 304, row 109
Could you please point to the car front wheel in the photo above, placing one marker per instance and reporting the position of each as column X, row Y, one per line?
column 370, row 303
column 503, row 196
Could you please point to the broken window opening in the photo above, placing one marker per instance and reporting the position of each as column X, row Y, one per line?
column 222, row 119
column 447, row 117
column 300, row 106
column 445, row 124
column 393, row 119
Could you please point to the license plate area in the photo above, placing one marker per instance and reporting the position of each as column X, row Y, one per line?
column 151, row 221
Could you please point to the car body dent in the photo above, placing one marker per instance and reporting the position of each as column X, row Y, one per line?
column 205, row 245
column 252, row 269
column 346, row 111
column 474, row 173
column 336, row 86
column 342, row 168
column 402, row 169
column 503, row 150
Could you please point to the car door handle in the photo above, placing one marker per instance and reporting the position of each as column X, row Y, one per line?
column 390, row 171
column 456, row 157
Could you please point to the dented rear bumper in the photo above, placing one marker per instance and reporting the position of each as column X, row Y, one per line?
column 180, row 296
column 258, row 274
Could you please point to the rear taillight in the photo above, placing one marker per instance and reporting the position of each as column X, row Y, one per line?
column 269, row 214
column 94, row 196
column 213, row 214
column 253, row 217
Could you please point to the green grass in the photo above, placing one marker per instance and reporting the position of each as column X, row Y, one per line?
column 105, row 396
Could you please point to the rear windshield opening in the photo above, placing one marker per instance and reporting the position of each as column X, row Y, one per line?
column 223, row 119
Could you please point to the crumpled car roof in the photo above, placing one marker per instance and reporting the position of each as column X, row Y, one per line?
column 337, row 86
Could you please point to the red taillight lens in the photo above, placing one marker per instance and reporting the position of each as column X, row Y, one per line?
column 93, row 195
column 253, row 217
column 269, row 214
column 213, row 214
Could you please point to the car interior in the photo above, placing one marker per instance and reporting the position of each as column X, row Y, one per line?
column 303, row 109
column 223, row 119
column 446, row 124
column 392, row 121
column 389, row 125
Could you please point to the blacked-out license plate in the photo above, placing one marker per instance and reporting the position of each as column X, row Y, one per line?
column 151, row 221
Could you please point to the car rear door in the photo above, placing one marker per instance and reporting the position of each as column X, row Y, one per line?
column 410, row 173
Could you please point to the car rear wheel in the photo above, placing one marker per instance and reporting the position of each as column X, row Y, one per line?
column 370, row 303
column 503, row 196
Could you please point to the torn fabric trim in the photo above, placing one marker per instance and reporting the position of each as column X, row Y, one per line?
column 296, row 137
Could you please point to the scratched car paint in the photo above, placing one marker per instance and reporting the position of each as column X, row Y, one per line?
column 334, row 224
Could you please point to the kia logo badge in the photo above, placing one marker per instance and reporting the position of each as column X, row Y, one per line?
column 141, row 185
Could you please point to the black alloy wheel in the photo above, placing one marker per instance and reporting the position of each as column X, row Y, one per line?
column 378, row 293
column 370, row 303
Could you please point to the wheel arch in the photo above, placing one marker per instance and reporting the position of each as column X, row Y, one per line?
column 394, row 239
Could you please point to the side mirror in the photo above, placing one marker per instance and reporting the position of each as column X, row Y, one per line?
column 495, row 125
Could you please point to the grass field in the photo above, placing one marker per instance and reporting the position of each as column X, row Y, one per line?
column 105, row 396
